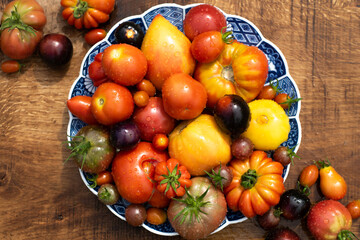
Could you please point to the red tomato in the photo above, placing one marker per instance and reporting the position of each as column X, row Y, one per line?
column 124, row 64
column 285, row 100
column 96, row 71
column 133, row 183
column 159, row 200
column 309, row 175
column 203, row 18
column 20, row 42
column 87, row 13
column 112, row 103
column 354, row 208
column 147, row 86
column 183, row 97
column 269, row 91
column 207, row 46
column 95, row 35
column 80, row 106
column 10, row 66
column 156, row 216
column 152, row 119
column 104, row 178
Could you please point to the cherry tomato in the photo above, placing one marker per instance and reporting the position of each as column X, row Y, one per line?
column 156, row 216
column 203, row 18
column 183, row 97
column 112, row 103
column 309, row 175
column 207, row 46
column 108, row 194
column 332, row 184
column 269, row 91
column 141, row 98
column 160, row 141
column 95, row 35
column 130, row 33
column 135, row 214
column 10, row 66
column 96, row 71
column 80, row 106
column 124, row 64
column 147, row 86
column 103, row 178
column 159, row 199
column 354, row 208
column 285, row 101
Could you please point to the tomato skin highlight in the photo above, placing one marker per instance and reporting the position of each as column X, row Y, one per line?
column 94, row 36
column 80, row 106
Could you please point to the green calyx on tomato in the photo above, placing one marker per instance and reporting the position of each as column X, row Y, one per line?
column 193, row 206
column 171, row 179
column 249, row 178
column 14, row 21
column 79, row 146
column 80, row 9
column 227, row 36
column 346, row 234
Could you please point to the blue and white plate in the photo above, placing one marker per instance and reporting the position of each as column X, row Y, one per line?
column 245, row 32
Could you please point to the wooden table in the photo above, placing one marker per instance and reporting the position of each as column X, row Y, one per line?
column 42, row 198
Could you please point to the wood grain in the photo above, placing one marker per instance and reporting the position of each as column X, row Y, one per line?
column 42, row 198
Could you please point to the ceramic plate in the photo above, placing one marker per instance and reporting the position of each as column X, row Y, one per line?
column 245, row 32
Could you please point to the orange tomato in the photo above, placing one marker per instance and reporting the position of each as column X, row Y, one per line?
column 94, row 36
column 80, row 106
column 156, row 216
column 354, row 208
column 309, row 175
column 112, row 103
column 141, row 98
column 147, row 86
column 160, row 141
column 10, row 66
column 256, row 186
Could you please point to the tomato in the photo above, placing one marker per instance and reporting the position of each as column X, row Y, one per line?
column 329, row 220
column 158, row 199
column 269, row 91
column 147, row 86
column 87, row 13
column 130, row 33
column 103, row 178
column 240, row 70
column 207, row 46
column 184, row 98
column 199, row 212
column 332, row 184
column 96, row 71
column 203, row 18
column 108, row 194
column 309, row 175
column 91, row 149
column 135, row 214
column 21, row 28
column 141, row 98
column 152, row 119
column 354, row 209
column 95, row 35
column 124, row 64
column 200, row 145
column 285, row 101
column 160, row 141
column 256, row 186
column 80, row 106
column 134, row 183
column 112, row 103
column 10, row 66
column 172, row 178
column 156, row 216
column 269, row 125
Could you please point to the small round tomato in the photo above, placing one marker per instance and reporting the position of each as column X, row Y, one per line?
column 147, row 86
column 203, row 18
column 183, row 97
column 207, row 46
column 112, row 103
column 160, row 141
column 10, row 66
column 130, row 33
column 354, row 208
column 309, row 175
column 95, row 35
column 124, row 64
column 159, row 199
column 285, row 101
column 108, row 194
column 103, row 178
column 156, row 216
column 141, row 98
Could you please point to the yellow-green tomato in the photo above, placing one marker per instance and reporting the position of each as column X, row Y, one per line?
column 269, row 125
column 200, row 145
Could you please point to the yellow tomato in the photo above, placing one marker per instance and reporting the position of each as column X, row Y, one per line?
column 200, row 145
column 269, row 125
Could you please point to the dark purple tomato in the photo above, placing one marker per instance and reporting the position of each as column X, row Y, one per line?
column 284, row 155
column 130, row 33
column 108, row 194
column 124, row 135
column 232, row 114
column 270, row 219
column 294, row 204
column 135, row 214
column 221, row 176
column 242, row 148
column 283, row 233
column 55, row 49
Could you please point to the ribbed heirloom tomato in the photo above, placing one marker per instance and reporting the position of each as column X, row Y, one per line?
column 256, row 186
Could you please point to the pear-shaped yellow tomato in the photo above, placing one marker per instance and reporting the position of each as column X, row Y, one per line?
column 167, row 51
column 200, row 145
column 269, row 125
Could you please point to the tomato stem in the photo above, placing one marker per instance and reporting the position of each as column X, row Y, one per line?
column 14, row 21
column 171, row 179
column 248, row 179
column 216, row 177
column 80, row 9
column 346, row 235
column 322, row 164
column 227, row 36
column 78, row 146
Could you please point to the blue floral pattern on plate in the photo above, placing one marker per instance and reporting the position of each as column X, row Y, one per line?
column 245, row 32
